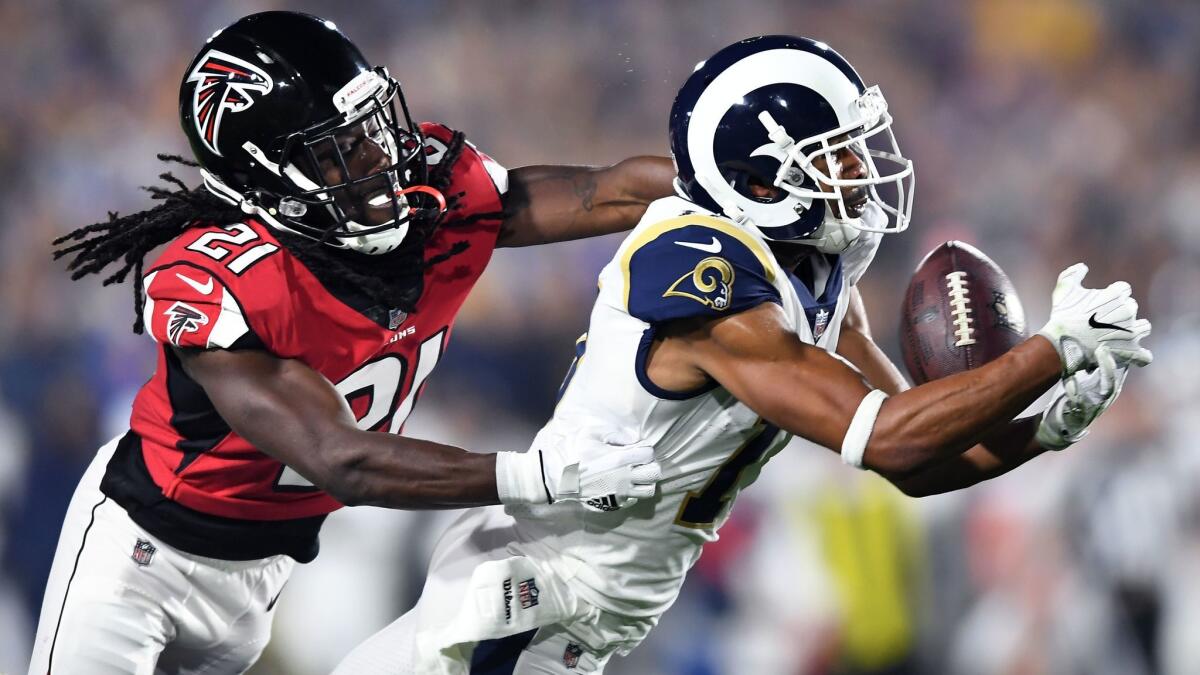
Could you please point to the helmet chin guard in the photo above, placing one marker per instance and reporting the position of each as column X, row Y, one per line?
column 836, row 235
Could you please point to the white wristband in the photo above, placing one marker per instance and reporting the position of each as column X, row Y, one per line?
column 520, row 478
column 854, row 445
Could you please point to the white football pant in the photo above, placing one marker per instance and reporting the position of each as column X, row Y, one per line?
column 488, row 609
column 120, row 601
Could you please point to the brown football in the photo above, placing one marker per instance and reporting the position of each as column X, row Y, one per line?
column 960, row 311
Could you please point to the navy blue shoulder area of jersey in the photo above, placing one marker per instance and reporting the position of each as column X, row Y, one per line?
column 696, row 269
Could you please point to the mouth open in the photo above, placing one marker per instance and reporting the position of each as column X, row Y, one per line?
column 855, row 201
column 373, row 203
column 856, row 198
column 381, row 199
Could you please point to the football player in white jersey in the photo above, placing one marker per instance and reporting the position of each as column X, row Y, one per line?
column 727, row 322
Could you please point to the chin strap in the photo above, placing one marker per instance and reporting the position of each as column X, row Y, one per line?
column 228, row 194
column 833, row 236
column 836, row 235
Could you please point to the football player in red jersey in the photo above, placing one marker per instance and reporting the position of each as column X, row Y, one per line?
column 302, row 299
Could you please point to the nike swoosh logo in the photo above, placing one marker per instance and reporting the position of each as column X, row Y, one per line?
column 1100, row 324
column 714, row 247
column 271, row 605
column 202, row 289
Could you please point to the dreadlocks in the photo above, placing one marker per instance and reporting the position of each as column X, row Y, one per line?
column 391, row 280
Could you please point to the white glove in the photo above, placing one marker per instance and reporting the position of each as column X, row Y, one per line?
column 1079, row 400
column 605, row 472
column 1082, row 319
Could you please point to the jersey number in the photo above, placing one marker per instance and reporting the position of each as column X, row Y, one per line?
column 380, row 381
column 701, row 509
column 236, row 236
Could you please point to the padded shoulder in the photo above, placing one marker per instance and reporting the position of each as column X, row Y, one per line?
column 437, row 136
column 189, row 306
column 695, row 266
column 217, row 286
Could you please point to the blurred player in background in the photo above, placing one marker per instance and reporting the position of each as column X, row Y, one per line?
column 303, row 298
column 727, row 322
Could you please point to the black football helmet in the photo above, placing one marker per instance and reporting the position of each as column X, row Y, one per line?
column 292, row 124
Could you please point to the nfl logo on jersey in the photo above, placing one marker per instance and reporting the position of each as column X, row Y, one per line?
column 527, row 593
column 143, row 552
column 571, row 655
column 821, row 323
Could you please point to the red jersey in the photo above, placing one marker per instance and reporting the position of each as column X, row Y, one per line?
column 236, row 286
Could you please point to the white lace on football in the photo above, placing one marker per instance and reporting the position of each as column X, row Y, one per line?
column 960, row 309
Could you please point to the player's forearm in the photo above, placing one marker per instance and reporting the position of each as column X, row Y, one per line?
column 1007, row 447
column 292, row 413
column 860, row 350
column 1002, row 450
column 547, row 204
column 376, row 469
column 944, row 417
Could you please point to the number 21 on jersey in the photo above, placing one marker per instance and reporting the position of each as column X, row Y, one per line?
column 380, row 382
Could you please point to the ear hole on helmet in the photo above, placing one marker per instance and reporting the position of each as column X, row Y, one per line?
column 762, row 190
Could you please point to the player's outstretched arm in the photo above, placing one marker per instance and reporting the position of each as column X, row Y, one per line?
column 292, row 413
column 1004, row 448
column 813, row 394
column 558, row 203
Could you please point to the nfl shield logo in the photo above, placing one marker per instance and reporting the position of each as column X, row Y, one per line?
column 143, row 552
column 571, row 655
column 527, row 592
column 395, row 318
column 822, row 320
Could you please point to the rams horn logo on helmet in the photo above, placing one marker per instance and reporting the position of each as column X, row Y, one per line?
column 223, row 83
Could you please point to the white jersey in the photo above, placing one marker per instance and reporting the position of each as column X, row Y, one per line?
column 680, row 261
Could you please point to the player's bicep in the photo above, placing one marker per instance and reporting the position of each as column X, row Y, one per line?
column 762, row 362
column 281, row 406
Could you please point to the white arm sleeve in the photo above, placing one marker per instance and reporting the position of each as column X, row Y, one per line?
column 855, row 443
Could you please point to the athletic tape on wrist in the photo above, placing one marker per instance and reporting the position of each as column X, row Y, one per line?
column 520, row 478
column 854, row 445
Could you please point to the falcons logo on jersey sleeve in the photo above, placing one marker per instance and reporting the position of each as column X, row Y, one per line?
column 183, row 318
column 224, row 84
column 187, row 307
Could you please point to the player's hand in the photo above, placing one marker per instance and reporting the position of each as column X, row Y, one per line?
column 1082, row 319
column 1079, row 400
column 603, row 471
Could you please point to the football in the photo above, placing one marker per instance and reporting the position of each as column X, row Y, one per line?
column 960, row 311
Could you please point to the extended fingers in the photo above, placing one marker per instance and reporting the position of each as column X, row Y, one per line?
column 1075, row 273
column 1068, row 279
column 1120, row 288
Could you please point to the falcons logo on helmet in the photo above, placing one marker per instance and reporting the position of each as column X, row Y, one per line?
column 223, row 83
column 183, row 318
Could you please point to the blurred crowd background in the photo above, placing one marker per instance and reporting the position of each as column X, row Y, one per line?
column 1043, row 131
